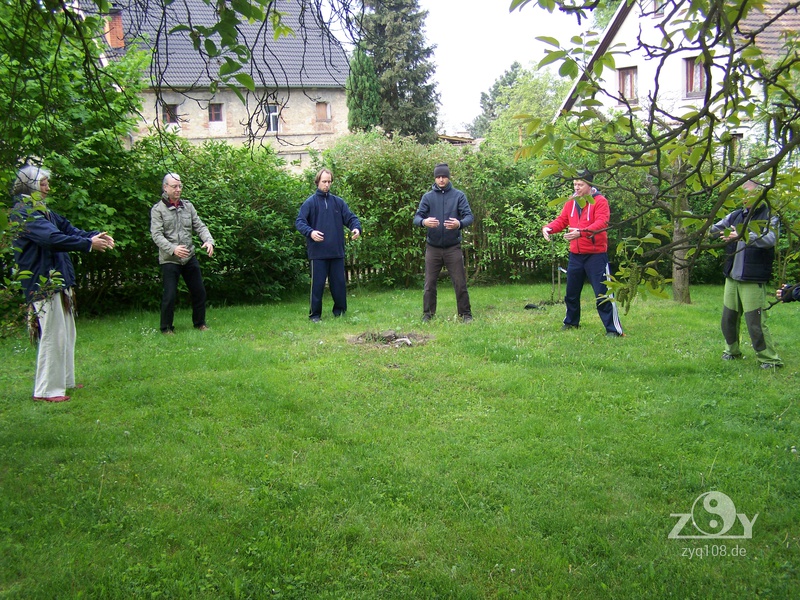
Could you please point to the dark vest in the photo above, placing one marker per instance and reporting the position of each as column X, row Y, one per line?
column 757, row 261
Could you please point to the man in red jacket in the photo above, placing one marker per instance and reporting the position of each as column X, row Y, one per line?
column 585, row 216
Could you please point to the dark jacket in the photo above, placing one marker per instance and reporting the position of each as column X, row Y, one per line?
column 42, row 247
column 325, row 212
column 750, row 257
column 444, row 203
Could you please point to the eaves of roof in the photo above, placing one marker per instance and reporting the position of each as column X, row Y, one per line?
column 610, row 32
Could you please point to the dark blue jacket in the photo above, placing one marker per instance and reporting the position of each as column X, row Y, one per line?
column 322, row 211
column 43, row 247
column 444, row 203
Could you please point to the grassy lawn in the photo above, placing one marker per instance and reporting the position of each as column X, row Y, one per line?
column 272, row 457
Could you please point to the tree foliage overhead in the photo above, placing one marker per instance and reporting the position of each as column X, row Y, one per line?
column 363, row 93
column 393, row 35
column 675, row 158
column 58, row 97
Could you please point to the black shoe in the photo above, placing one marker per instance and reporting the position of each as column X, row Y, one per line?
column 566, row 326
column 426, row 318
column 614, row 334
column 726, row 356
column 771, row 366
column 466, row 319
column 314, row 319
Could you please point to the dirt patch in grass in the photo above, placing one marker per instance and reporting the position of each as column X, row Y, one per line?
column 390, row 339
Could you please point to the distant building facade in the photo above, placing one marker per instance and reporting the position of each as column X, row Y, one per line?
column 299, row 100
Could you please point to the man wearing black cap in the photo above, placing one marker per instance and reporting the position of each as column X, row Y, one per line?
column 444, row 210
column 585, row 216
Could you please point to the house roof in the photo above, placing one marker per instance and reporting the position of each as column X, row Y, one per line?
column 308, row 58
column 770, row 41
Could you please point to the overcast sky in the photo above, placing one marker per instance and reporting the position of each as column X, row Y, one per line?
column 477, row 41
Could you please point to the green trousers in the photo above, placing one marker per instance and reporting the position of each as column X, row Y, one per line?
column 748, row 300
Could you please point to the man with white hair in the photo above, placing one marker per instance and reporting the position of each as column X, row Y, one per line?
column 172, row 221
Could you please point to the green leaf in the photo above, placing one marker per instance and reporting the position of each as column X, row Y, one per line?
column 549, row 40
column 547, row 172
column 551, row 57
column 246, row 81
column 228, row 67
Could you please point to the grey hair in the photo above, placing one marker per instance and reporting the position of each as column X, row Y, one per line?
column 175, row 176
column 29, row 180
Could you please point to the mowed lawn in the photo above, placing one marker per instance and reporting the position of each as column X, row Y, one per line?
column 270, row 457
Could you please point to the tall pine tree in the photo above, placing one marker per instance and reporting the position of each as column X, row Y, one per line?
column 393, row 37
column 363, row 93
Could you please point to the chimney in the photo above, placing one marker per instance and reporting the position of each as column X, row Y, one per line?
column 115, row 36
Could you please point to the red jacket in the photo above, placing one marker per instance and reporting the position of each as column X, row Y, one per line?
column 592, row 221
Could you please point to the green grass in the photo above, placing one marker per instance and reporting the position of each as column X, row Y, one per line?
column 271, row 457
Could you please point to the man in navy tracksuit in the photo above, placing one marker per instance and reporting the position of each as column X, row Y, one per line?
column 444, row 210
column 322, row 219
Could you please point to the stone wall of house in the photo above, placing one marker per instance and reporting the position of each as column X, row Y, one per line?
column 306, row 119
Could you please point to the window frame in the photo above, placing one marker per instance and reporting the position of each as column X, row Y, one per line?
column 273, row 121
column 216, row 109
column 695, row 70
column 327, row 110
column 623, row 78
column 170, row 114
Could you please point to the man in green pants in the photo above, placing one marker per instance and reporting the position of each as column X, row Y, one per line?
column 751, row 233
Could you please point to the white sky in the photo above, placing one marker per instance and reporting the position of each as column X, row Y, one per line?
column 477, row 41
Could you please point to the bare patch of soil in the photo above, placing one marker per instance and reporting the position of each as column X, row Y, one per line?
column 390, row 339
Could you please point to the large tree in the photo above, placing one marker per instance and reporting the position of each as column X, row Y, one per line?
column 62, row 105
column 393, row 35
column 363, row 93
column 683, row 164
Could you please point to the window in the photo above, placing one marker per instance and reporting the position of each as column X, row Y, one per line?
column 695, row 77
column 323, row 111
column 170, row 114
column 272, row 118
column 627, row 85
column 215, row 113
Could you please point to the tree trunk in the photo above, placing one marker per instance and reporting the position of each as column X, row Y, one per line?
column 680, row 266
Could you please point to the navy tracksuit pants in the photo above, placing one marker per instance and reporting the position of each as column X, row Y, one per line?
column 593, row 267
column 332, row 270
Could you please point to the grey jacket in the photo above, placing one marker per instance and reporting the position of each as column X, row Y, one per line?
column 171, row 227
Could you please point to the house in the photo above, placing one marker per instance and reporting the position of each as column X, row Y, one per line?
column 652, row 63
column 299, row 99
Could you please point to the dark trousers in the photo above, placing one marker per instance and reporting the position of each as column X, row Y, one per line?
column 453, row 259
column 170, row 272
column 593, row 267
column 332, row 270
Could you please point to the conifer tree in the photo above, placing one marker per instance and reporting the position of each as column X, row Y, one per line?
column 394, row 38
column 363, row 93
